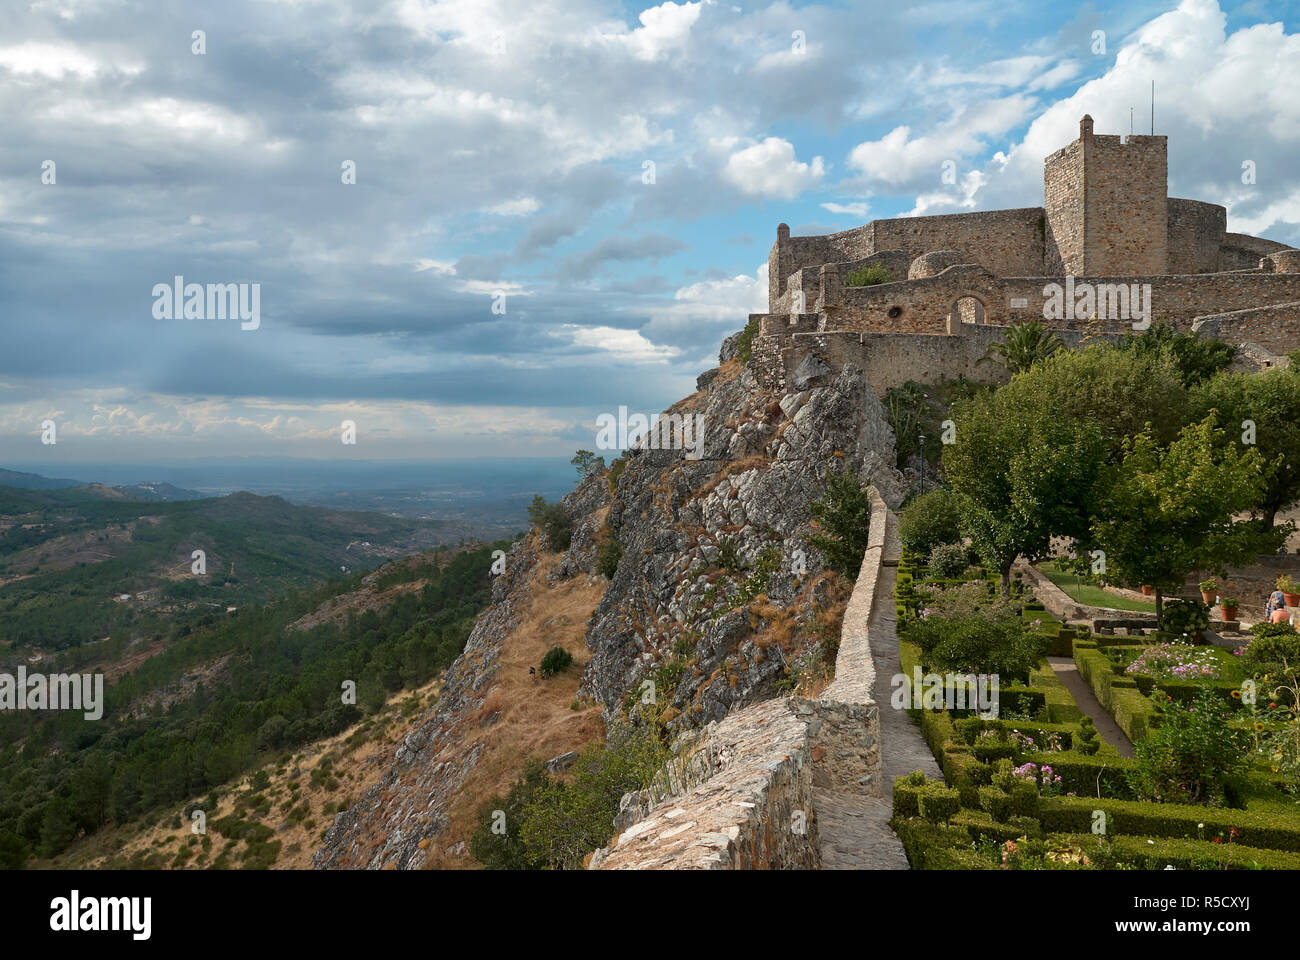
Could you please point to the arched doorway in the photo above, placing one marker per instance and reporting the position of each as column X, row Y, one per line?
column 967, row 309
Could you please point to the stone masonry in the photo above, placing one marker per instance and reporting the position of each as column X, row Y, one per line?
column 1106, row 224
column 790, row 783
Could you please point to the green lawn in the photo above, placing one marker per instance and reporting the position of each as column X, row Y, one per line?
column 1090, row 595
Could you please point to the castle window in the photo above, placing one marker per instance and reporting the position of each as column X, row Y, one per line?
column 895, row 313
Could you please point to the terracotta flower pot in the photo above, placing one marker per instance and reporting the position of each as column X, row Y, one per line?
column 1147, row 590
column 1292, row 599
column 1228, row 613
column 1207, row 597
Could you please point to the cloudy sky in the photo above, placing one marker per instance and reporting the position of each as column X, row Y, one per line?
column 505, row 147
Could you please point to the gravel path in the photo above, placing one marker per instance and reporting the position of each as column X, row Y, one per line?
column 1068, row 674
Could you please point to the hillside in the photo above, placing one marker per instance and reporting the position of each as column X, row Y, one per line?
column 34, row 481
column 702, row 592
column 491, row 716
column 208, row 706
column 82, row 564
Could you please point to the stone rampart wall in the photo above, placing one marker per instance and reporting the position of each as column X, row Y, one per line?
column 740, row 793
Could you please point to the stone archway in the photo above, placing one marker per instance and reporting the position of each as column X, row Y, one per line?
column 966, row 309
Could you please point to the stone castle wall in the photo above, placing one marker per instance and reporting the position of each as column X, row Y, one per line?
column 1008, row 242
column 1126, row 213
column 1196, row 231
column 1275, row 327
column 1063, row 210
column 892, row 359
column 1107, row 221
column 1106, row 213
column 925, row 305
column 742, row 793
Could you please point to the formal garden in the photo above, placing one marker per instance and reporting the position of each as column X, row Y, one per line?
column 1201, row 768
column 1213, row 782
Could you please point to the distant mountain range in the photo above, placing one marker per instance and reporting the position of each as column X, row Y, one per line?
column 480, row 499
column 34, row 481
column 151, row 490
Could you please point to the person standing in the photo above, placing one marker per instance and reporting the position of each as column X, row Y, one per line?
column 1276, row 604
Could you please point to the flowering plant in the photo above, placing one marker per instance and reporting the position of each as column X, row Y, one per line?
column 1175, row 661
column 1047, row 780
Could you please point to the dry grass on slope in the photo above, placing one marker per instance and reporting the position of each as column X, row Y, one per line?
column 302, row 806
column 533, row 717
column 521, row 717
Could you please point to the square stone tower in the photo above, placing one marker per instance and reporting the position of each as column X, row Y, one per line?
column 1106, row 205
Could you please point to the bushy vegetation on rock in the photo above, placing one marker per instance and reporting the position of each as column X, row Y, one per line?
column 843, row 517
column 546, row 822
column 554, row 520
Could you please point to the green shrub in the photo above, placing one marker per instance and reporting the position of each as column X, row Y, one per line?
column 1142, row 853
column 948, row 560
column 611, row 552
column 1185, row 618
column 996, row 803
column 990, row 640
column 1188, row 757
column 1004, row 779
column 1015, row 699
column 745, row 344
column 968, row 728
column 938, row 803
column 1085, row 741
column 843, row 517
column 1274, row 650
column 869, row 276
column 906, row 796
column 1142, row 818
column 557, row 660
column 1086, row 774
column 909, row 413
column 548, row 823
column 554, row 521
column 496, row 843
column 939, row 848
column 992, row 751
column 929, row 520
column 1026, row 826
column 1024, row 798
column 565, row 821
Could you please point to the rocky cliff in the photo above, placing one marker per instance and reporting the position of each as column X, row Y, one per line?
column 718, row 600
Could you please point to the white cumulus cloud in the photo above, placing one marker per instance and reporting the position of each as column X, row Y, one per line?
column 769, row 169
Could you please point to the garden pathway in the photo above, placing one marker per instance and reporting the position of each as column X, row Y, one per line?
column 854, row 827
column 1087, row 701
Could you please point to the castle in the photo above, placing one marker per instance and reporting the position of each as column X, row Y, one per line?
column 1107, row 229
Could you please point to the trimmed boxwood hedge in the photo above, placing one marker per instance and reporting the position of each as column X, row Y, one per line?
column 1118, row 694
column 949, row 848
column 1181, row 854
column 938, row 848
column 1132, row 817
column 1079, row 773
column 938, row 802
column 905, row 798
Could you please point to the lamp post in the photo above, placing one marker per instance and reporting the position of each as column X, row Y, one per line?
column 921, row 437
